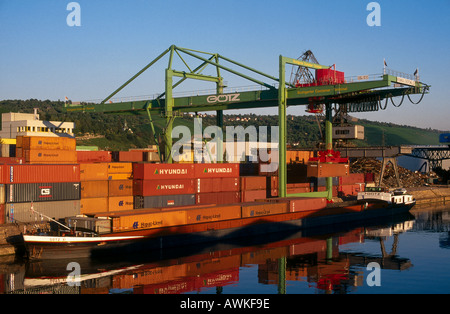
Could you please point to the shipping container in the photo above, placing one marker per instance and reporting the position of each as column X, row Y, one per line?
column 94, row 156
column 50, row 156
column 11, row 160
column 253, row 183
column 252, row 195
column 163, row 201
column 149, row 171
column 212, row 185
column 97, row 225
column 151, row 157
column 153, row 220
column 94, row 189
column 120, row 167
column 120, row 187
column 263, row 209
column 119, row 203
column 216, row 213
column 130, row 156
column 329, row 77
column 21, row 212
column 48, row 143
column 42, row 192
column 324, row 170
column 298, row 204
column 218, row 198
column 352, row 178
column 93, row 205
column 216, row 170
column 93, row 171
column 4, row 174
column 36, row 173
column 120, row 176
column 163, row 187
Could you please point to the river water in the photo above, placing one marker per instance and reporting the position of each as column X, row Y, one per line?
column 403, row 255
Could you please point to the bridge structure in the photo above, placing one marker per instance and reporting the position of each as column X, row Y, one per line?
column 365, row 93
column 434, row 155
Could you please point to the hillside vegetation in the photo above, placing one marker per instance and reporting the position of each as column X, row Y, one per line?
column 122, row 132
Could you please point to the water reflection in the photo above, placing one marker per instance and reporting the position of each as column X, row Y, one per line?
column 311, row 256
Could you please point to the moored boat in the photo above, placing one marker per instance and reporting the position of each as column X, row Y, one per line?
column 160, row 228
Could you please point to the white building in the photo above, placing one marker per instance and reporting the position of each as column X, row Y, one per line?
column 28, row 124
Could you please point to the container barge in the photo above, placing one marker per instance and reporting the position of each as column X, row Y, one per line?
column 109, row 201
column 161, row 228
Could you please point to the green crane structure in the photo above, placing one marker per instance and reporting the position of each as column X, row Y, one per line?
column 354, row 96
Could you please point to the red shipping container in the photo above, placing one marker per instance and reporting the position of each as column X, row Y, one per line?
column 218, row 198
column 212, row 185
column 94, row 156
column 12, row 160
column 253, row 183
column 149, row 171
column 352, row 178
column 163, row 187
column 329, row 77
column 252, row 195
column 216, row 170
column 37, row 173
column 130, row 156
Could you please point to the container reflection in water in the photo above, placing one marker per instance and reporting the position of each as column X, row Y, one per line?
column 316, row 261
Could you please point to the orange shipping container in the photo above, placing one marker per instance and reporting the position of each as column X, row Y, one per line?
column 48, row 143
column 253, row 183
column 94, row 156
column 93, row 205
column 120, row 187
column 263, row 209
column 250, row 196
column 49, row 156
column 94, row 189
column 93, row 171
column 119, row 176
column 208, row 214
column 120, row 167
column 119, row 203
column 149, row 220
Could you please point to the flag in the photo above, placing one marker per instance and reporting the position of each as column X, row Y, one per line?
column 417, row 72
column 385, row 64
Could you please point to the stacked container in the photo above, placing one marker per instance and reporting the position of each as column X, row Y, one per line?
column 163, row 185
column 253, row 188
column 46, row 150
column 217, row 183
column 120, row 186
column 27, row 196
column 94, row 187
column 351, row 185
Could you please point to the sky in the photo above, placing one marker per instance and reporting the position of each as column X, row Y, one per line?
column 42, row 57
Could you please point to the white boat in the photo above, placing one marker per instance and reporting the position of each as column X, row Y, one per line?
column 396, row 197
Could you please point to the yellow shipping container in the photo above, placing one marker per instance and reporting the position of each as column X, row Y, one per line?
column 93, row 171
column 208, row 214
column 94, row 189
column 48, row 143
column 93, row 205
column 149, row 220
column 119, row 203
column 120, row 167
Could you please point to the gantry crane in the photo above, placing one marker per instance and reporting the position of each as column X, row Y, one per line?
column 353, row 95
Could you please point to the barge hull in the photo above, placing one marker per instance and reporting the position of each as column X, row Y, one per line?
column 218, row 231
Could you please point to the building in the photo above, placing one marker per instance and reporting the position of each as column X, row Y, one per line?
column 28, row 124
